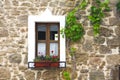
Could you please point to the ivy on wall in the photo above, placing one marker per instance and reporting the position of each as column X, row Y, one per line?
column 118, row 6
column 97, row 14
column 74, row 30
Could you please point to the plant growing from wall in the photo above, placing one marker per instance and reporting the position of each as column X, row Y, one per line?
column 66, row 75
column 97, row 14
column 118, row 6
column 73, row 31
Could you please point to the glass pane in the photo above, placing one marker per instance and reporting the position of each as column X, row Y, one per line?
column 54, row 49
column 41, row 49
column 54, row 32
column 41, row 32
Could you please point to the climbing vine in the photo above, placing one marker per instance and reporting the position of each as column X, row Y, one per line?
column 97, row 14
column 74, row 30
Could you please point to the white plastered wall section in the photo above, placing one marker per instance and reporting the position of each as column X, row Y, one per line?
column 45, row 17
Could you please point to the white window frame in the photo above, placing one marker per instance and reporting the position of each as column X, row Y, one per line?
column 45, row 17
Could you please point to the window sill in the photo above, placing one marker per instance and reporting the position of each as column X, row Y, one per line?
column 47, row 64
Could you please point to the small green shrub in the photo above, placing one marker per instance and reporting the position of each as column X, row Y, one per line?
column 66, row 75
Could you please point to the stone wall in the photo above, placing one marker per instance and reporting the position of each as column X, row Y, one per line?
column 96, row 58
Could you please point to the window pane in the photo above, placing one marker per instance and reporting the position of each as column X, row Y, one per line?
column 41, row 49
column 54, row 32
column 41, row 32
column 54, row 49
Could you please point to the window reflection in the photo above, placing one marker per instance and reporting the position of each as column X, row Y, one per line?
column 41, row 32
column 54, row 32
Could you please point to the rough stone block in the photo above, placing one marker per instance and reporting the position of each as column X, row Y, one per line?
column 29, row 75
column 95, row 61
column 96, row 75
column 4, row 74
column 113, row 21
column 117, row 31
column 15, row 58
column 22, row 68
column 99, row 40
column 83, row 77
column 4, row 33
column 88, row 46
column 115, row 73
column 51, row 75
column 113, row 41
column 113, row 59
column 15, row 3
column 23, row 19
column 90, row 32
column 105, row 32
column 38, row 75
column 2, row 24
column 84, row 71
column 104, row 50
column 81, row 58
column 26, row 4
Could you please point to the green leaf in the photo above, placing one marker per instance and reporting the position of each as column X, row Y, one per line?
column 118, row 6
column 83, row 4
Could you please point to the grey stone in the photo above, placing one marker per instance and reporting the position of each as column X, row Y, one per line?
column 4, row 74
column 62, row 4
column 107, row 14
column 113, row 59
column 15, row 58
column 87, row 46
column 38, row 75
column 23, row 19
column 113, row 41
column 83, row 77
column 15, row 12
column 69, row 3
column 95, row 61
column 1, row 24
column 113, row 21
column 15, row 3
column 54, row 4
column 27, row 4
column 29, row 75
column 115, row 73
column 105, row 32
column 117, row 30
column 22, row 68
column 51, row 75
column 99, row 40
column 11, row 50
column 25, row 59
column 104, row 49
column 84, row 71
column 22, row 41
column 4, row 33
column 81, row 58
column 97, row 75
column 90, row 32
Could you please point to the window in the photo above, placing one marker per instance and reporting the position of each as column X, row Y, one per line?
column 44, row 37
column 47, row 39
